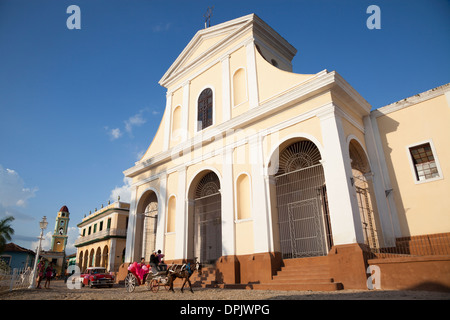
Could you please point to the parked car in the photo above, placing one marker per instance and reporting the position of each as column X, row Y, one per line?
column 97, row 276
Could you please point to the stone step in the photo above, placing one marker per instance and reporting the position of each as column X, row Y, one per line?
column 304, row 280
column 325, row 286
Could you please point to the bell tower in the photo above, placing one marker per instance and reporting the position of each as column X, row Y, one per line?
column 59, row 238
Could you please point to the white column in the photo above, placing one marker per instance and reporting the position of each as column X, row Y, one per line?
column 185, row 112
column 260, row 215
column 181, row 217
column 381, row 183
column 226, row 92
column 252, row 75
column 131, row 231
column 167, row 119
column 162, row 205
column 227, row 194
column 112, row 254
column 344, row 213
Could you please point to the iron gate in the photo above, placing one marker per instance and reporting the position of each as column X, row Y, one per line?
column 366, row 211
column 150, row 219
column 207, row 219
column 303, row 218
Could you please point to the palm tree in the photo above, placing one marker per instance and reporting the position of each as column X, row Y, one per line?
column 5, row 231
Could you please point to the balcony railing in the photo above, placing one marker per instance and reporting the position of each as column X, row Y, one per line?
column 100, row 235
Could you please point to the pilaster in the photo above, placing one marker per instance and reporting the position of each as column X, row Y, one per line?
column 342, row 202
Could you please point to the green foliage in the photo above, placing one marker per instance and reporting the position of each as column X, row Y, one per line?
column 6, row 231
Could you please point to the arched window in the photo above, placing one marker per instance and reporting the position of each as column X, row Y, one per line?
column 176, row 122
column 243, row 197
column 171, row 214
column 205, row 109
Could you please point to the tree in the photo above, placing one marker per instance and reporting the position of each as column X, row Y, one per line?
column 6, row 231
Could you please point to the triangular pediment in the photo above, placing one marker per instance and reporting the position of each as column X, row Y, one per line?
column 206, row 42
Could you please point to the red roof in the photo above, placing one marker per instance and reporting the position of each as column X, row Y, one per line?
column 12, row 247
column 64, row 209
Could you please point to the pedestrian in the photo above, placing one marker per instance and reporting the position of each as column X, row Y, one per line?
column 40, row 270
column 48, row 275
column 161, row 265
column 154, row 261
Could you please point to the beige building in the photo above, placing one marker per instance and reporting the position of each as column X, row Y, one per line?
column 254, row 168
column 102, row 237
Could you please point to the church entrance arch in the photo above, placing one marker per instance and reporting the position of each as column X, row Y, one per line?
column 205, row 218
column 362, row 182
column 146, row 224
column 304, row 228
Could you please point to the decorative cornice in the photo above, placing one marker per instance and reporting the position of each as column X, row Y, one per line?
column 320, row 83
column 235, row 28
column 418, row 98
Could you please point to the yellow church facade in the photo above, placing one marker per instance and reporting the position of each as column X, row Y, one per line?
column 253, row 166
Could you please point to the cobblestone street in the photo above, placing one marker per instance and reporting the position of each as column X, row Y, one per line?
column 60, row 291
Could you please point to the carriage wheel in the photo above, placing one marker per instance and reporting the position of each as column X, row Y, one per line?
column 154, row 285
column 130, row 282
column 148, row 281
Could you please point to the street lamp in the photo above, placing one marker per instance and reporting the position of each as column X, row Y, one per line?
column 43, row 225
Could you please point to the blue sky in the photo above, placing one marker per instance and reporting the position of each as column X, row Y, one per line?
column 78, row 107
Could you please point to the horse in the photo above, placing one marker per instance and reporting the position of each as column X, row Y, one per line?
column 183, row 272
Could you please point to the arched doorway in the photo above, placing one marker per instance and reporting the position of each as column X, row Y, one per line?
column 98, row 257
column 85, row 261
column 147, row 217
column 362, row 182
column 91, row 259
column 80, row 261
column 301, row 197
column 206, row 218
column 105, row 257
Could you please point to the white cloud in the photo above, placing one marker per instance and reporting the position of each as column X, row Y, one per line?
column 72, row 235
column 14, row 195
column 46, row 241
column 134, row 121
column 123, row 191
column 161, row 27
column 113, row 133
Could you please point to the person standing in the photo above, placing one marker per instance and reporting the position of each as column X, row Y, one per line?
column 41, row 271
column 48, row 275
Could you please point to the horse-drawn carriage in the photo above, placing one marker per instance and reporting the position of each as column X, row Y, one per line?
column 153, row 278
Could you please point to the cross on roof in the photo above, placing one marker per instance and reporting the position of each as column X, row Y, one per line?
column 208, row 16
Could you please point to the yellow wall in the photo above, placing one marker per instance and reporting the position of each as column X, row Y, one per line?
column 423, row 208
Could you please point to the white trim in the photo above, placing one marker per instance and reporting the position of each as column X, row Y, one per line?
column 209, row 86
column 253, row 96
column 226, row 94
column 236, row 220
column 167, row 121
column 246, row 87
column 436, row 160
column 407, row 102
column 185, row 112
column 351, row 137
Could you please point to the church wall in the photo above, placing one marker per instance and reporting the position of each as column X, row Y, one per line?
column 177, row 101
column 422, row 206
column 273, row 81
column 156, row 145
column 238, row 60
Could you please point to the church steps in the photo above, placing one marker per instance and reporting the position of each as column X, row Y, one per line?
column 311, row 274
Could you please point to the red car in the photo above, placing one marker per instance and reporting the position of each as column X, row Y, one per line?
column 97, row 276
